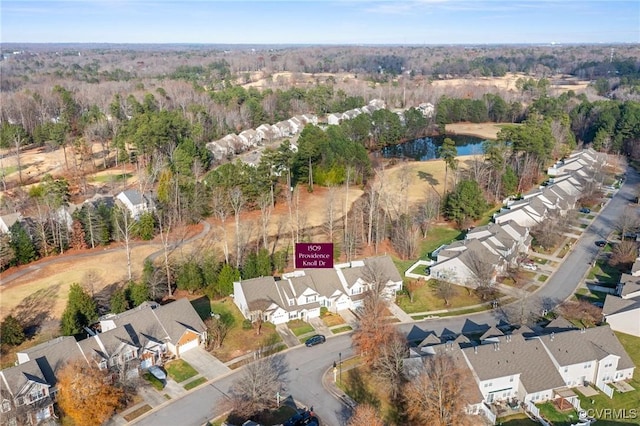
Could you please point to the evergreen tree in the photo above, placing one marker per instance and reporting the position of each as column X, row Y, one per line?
column 23, row 248
column 190, row 277
column 228, row 274
column 11, row 331
column 81, row 311
column 138, row 293
column 118, row 301
column 466, row 203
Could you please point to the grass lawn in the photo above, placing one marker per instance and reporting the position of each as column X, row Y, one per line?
column 137, row 412
column 426, row 299
column 299, row 327
column 542, row 278
column 240, row 341
column 331, row 320
column 590, row 296
column 180, row 370
column 153, row 381
column 605, row 273
column 624, row 401
column 557, row 418
column 516, row 420
column 341, row 329
column 192, row 384
column 111, row 178
column 437, row 236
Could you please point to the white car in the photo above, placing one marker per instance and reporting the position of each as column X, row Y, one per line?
column 530, row 266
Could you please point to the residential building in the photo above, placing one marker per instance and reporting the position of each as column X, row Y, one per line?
column 135, row 202
column 7, row 221
column 300, row 294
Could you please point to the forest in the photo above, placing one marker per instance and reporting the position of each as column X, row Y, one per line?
column 153, row 110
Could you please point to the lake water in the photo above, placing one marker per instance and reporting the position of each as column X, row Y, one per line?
column 427, row 148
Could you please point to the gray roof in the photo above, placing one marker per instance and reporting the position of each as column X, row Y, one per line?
column 326, row 281
column 261, row 292
column 382, row 266
column 15, row 378
column 10, row 219
column 630, row 283
column 134, row 196
column 578, row 346
column 177, row 317
column 514, row 355
column 491, row 332
column 53, row 354
column 615, row 305
column 559, row 324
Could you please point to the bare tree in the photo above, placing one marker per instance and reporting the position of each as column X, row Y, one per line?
column 428, row 211
column 524, row 311
column 373, row 331
column 330, row 212
column 255, row 390
column 388, row 367
column 237, row 201
column 439, row 395
column 483, row 272
column 266, row 205
column 221, row 210
column 628, row 222
column 365, row 414
column 124, row 226
column 624, row 254
column 445, row 290
column 217, row 329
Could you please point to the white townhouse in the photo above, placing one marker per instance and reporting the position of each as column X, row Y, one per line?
column 135, row 202
column 300, row 294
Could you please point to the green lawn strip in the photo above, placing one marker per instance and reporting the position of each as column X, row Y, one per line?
column 342, row 329
column 180, row 370
column 465, row 311
column 565, row 418
column 516, row 420
column 137, row 412
column 532, row 288
column 192, row 384
column 604, row 273
column 112, row 178
column 299, row 327
column 542, row 278
column 153, row 381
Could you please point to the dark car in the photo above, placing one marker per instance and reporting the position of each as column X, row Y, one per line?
column 315, row 340
column 601, row 243
column 585, row 210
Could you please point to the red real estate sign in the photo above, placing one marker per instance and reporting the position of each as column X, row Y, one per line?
column 314, row 255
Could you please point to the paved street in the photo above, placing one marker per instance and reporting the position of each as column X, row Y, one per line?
column 307, row 365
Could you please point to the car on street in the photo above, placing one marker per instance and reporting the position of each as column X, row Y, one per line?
column 585, row 210
column 315, row 340
column 601, row 243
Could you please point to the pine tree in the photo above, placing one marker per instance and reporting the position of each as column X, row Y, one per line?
column 22, row 245
column 81, row 311
column 11, row 331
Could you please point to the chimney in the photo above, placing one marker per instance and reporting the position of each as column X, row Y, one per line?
column 475, row 349
column 552, row 336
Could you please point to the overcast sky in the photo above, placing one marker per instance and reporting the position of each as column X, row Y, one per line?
column 321, row 22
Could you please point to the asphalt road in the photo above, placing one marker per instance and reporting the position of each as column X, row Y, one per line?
column 306, row 366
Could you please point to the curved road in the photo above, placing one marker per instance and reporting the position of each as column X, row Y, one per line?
column 308, row 365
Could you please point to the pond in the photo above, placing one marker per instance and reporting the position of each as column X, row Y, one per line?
column 427, row 148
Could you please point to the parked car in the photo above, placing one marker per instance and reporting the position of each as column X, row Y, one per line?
column 157, row 372
column 315, row 340
column 530, row 266
column 601, row 243
column 585, row 210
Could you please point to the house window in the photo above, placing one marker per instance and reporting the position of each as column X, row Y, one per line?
column 311, row 299
column 511, row 379
column 37, row 394
column 103, row 364
column 587, row 365
column 566, row 369
column 128, row 356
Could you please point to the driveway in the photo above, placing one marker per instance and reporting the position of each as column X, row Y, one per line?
column 287, row 335
column 206, row 364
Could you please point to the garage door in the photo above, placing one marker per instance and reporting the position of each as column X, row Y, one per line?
column 189, row 345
